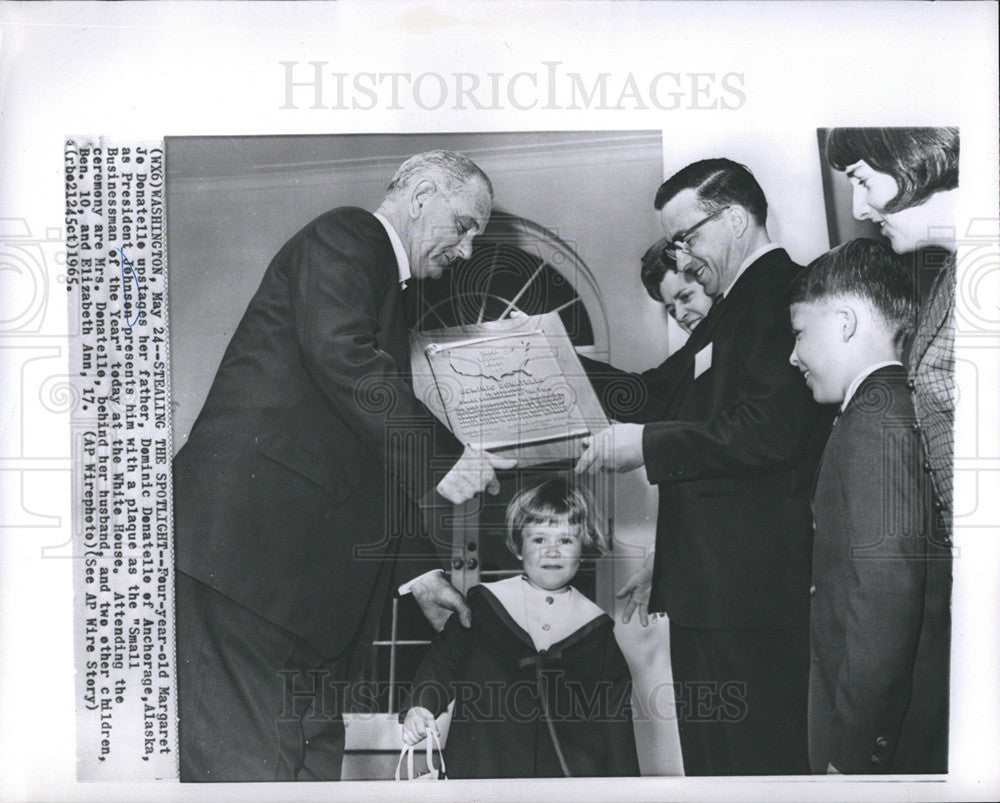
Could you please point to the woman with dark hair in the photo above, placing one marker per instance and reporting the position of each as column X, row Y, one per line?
column 905, row 180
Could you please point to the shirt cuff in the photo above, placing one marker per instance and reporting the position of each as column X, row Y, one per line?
column 406, row 587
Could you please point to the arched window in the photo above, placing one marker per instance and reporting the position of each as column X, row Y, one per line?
column 518, row 264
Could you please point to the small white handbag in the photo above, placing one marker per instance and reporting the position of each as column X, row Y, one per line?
column 433, row 742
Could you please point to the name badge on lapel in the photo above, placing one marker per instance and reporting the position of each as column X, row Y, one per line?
column 703, row 361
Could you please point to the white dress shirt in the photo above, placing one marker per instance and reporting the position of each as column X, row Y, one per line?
column 546, row 616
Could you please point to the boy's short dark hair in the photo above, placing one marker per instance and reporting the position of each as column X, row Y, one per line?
column 923, row 161
column 655, row 264
column 866, row 268
column 553, row 502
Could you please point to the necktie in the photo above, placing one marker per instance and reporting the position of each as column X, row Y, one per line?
column 408, row 303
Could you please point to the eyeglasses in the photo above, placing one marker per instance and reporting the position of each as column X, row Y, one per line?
column 680, row 241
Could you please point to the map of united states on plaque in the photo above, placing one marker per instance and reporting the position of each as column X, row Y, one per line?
column 508, row 383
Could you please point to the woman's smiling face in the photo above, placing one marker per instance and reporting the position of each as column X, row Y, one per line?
column 906, row 229
column 685, row 299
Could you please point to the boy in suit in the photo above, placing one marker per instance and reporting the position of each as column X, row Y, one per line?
column 880, row 611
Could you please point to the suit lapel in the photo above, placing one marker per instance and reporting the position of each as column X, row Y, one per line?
column 723, row 310
column 394, row 321
column 393, row 335
column 888, row 372
column 409, row 305
column 822, row 461
column 698, row 339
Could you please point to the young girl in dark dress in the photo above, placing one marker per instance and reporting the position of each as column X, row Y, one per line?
column 540, row 686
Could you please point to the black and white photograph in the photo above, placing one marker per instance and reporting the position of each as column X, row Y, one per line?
column 617, row 426
column 808, row 597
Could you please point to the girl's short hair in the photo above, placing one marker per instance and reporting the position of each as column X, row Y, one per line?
column 923, row 161
column 553, row 502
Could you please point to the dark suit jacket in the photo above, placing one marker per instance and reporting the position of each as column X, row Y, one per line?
column 297, row 489
column 734, row 455
column 497, row 678
column 880, row 620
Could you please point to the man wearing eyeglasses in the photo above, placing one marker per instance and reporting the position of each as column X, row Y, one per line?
column 734, row 457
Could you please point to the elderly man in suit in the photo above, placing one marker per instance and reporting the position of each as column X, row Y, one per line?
column 734, row 454
column 296, row 497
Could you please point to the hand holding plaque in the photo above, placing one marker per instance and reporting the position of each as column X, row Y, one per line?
column 472, row 474
column 617, row 448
